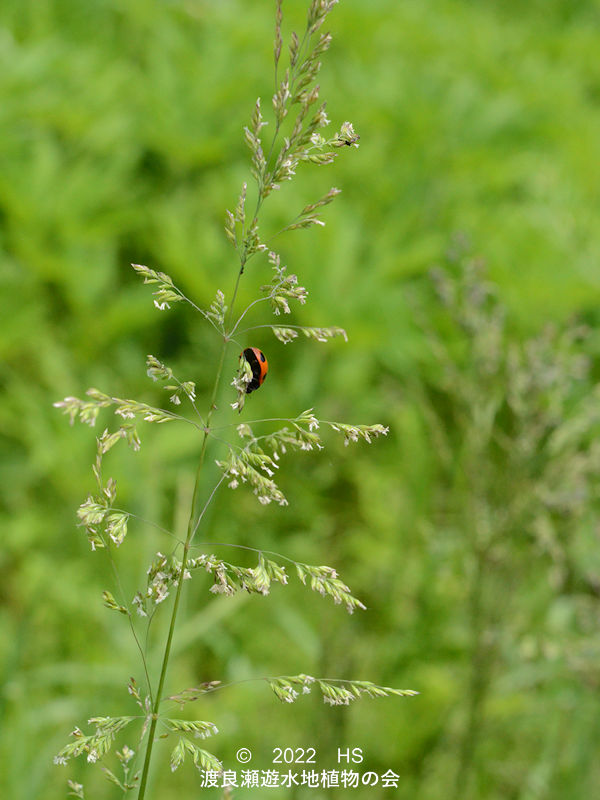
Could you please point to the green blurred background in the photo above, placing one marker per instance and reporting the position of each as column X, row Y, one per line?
column 470, row 532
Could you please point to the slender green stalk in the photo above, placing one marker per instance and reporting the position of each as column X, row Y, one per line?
column 192, row 524
column 161, row 682
column 478, row 681
column 297, row 87
column 190, row 532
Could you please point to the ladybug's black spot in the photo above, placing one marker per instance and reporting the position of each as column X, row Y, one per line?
column 262, row 356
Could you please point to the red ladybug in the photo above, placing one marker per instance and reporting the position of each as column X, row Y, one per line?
column 259, row 366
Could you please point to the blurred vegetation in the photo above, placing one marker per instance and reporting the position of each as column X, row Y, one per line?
column 471, row 533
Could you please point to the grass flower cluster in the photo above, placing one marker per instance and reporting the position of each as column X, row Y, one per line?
column 252, row 454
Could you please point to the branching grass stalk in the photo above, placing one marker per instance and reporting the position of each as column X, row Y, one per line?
column 132, row 626
column 254, row 463
column 191, row 529
column 258, row 327
column 243, row 314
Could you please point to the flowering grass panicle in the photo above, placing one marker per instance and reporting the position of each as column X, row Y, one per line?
column 297, row 117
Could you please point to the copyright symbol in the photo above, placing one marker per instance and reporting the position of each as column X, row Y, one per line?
column 243, row 755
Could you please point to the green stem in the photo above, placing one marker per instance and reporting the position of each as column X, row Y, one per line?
column 190, row 532
column 192, row 521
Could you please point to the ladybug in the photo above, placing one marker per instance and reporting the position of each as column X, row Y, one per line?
column 259, row 366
